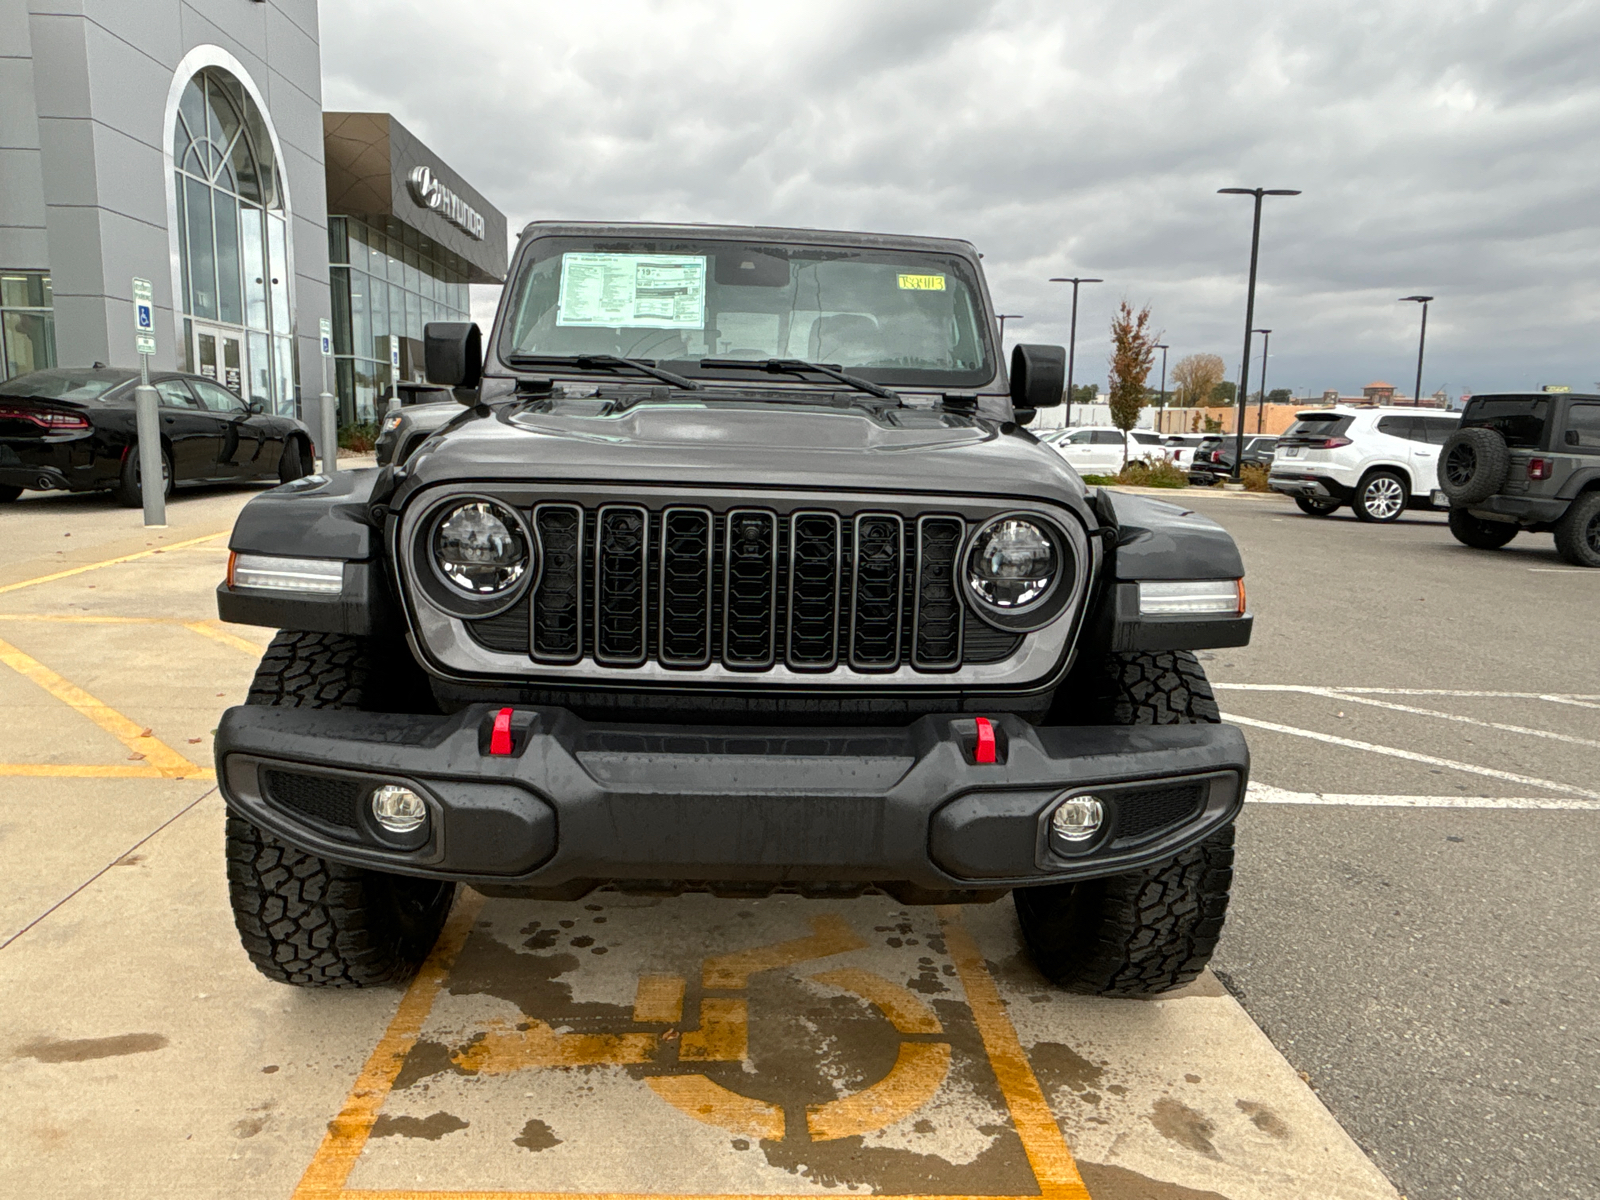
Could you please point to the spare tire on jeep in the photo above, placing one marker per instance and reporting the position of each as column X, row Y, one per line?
column 1473, row 464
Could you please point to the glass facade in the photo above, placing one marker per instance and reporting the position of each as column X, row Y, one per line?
column 27, row 323
column 383, row 287
column 233, row 242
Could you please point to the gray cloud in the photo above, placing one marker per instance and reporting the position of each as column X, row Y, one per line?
column 1448, row 150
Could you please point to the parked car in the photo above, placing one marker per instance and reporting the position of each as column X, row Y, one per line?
column 1213, row 458
column 1180, row 448
column 1379, row 460
column 423, row 409
column 1103, row 449
column 1526, row 462
column 72, row 429
column 733, row 624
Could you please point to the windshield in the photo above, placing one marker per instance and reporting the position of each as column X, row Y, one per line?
column 890, row 316
column 63, row 385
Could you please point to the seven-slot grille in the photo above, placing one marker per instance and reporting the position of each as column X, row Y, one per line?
column 749, row 588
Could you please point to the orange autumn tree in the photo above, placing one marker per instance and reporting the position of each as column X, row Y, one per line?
column 1133, row 349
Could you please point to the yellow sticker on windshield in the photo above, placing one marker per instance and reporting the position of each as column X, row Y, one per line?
column 922, row 283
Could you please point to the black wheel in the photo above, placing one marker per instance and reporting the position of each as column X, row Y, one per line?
column 1578, row 531
column 1473, row 464
column 1313, row 507
column 1478, row 533
column 129, row 491
column 1381, row 497
column 302, row 919
column 1149, row 931
column 8, row 493
column 291, row 465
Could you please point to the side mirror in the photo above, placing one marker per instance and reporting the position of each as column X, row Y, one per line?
column 453, row 352
column 1038, row 375
column 254, row 407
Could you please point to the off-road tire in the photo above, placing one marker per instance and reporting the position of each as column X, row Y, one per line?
column 9, row 492
column 1312, row 507
column 1578, row 531
column 1473, row 464
column 291, row 465
column 127, row 490
column 1143, row 932
column 302, row 919
column 1478, row 533
column 1374, row 494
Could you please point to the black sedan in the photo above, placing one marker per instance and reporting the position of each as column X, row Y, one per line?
column 1213, row 458
column 73, row 429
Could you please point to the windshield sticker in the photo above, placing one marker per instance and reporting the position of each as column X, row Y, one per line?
column 922, row 283
column 653, row 291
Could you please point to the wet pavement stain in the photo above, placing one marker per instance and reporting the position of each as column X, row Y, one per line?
column 427, row 1058
column 1107, row 1182
column 486, row 966
column 63, row 1050
column 536, row 1136
column 1264, row 1119
column 1061, row 1067
column 1181, row 1124
column 431, row 1128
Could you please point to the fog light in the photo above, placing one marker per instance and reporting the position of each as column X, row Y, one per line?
column 1077, row 819
column 398, row 809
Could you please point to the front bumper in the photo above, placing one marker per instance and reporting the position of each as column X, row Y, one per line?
column 577, row 804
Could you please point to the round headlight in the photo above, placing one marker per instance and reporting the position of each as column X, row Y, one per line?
column 479, row 548
column 1013, row 563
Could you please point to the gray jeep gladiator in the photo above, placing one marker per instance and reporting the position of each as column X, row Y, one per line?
column 739, row 571
column 1526, row 461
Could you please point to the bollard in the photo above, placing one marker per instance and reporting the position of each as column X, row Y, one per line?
column 147, row 421
column 330, row 433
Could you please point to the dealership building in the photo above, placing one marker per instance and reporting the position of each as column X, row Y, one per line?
column 185, row 143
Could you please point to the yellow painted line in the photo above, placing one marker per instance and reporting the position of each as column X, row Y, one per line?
column 712, row 1104
column 109, row 562
column 907, row 1011
column 156, row 753
column 830, row 935
column 723, row 1035
column 1052, row 1163
column 503, row 1049
column 914, row 1080
column 348, row 1132
column 430, row 1194
column 213, row 630
column 658, row 1000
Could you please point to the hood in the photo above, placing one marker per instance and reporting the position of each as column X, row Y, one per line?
column 840, row 445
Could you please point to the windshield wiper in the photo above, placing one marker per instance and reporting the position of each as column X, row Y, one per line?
column 601, row 362
column 797, row 366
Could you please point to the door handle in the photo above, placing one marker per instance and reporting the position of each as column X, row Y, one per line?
column 169, row 420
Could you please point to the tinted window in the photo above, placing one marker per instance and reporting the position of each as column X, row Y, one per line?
column 64, row 385
column 1078, row 437
column 1437, row 430
column 1316, row 427
column 1401, row 427
column 1107, row 437
column 1520, row 420
column 174, row 395
column 217, row 399
column 1585, row 420
column 1147, row 439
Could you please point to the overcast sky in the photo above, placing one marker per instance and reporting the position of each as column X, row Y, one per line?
column 1448, row 149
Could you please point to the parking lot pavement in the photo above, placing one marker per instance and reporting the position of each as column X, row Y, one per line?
column 616, row 1045
column 1413, row 917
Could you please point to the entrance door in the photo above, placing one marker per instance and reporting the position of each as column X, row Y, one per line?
column 219, row 355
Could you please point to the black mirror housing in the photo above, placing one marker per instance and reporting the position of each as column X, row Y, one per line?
column 453, row 353
column 1038, row 376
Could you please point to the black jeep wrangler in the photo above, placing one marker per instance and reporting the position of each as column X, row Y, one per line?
column 1526, row 462
column 739, row 571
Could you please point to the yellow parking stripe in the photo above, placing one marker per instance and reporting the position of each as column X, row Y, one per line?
column 109, row 562
column 156, row 753
column 830, row 935
column 210, row 629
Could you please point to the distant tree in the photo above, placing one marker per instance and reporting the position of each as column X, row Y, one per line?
column 1222, row 394
column 1193, row 377
column 1133, row 350
column 1085, row 393
column 1280, row 396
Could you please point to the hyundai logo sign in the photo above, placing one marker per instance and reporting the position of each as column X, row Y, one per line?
column 428, row 192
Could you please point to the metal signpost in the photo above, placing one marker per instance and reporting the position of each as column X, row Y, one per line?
column 147, row 416
column 394, row 372
column 329, row 414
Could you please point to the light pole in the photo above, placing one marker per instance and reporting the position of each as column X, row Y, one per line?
column 1162, row 406
column 1249, row 312
column 1266, row 342
column 1072, row 340
column 1422, row 343
column 1003, row 318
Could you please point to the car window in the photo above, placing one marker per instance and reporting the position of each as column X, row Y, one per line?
column 217, row 399
column 1437, row 430
column 1108, row 437
column 1520, row 420
column 1317, row 426
column 174, row 395
column 1402, row 427
column 1078, row 437
column 1584, row 419
column 1147, row 439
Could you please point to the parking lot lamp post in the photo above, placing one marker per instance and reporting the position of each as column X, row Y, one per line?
column 1266, row 341
column 1162, row 403
column 1249, row 313
column 1003, row 318
column 1422, row 344
column 1072, row 338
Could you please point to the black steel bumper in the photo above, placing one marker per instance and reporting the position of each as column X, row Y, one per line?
column 577, row 804
column 1523, row 509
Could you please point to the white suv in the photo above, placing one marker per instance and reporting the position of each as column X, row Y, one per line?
column 1377, row 460
column 1099, row 449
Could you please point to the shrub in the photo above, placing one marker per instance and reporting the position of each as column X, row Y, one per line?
column 1254, row 477
column 1143, row 472
column 362, row 437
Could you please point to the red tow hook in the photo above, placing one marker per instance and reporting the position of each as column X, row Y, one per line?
column 500, row 736
column 984, row 752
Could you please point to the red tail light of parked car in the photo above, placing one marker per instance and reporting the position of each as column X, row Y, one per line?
column 46, row 418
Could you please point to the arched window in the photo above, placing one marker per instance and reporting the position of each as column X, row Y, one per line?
column 233, row 241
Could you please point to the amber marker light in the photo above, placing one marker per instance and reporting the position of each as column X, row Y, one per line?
column 1241, row 597
column 233, row 557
